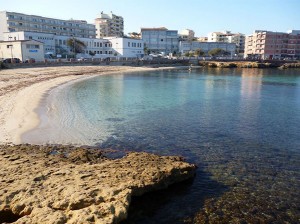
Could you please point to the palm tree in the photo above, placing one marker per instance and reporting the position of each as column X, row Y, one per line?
column 76, row 46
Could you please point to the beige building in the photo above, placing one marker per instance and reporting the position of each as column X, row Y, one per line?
column 109, row 25
column 22, row 49
column 202, row 39
column 14, row 22
column 187, row 35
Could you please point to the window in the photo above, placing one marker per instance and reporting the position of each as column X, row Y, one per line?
column 128, row 44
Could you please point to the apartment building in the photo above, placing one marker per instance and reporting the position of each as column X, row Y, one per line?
column 161, row 39
column 109, row 25
column 226, row 36
column 187, row 46
column 15, row 22
column 126, row 47
column 187, row 35
column 264, row 44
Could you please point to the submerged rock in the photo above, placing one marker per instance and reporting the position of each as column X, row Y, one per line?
column 67, row 185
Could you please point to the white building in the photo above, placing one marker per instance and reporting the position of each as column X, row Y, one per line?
column 126, row 47
column 187, row 35
column 22, row 49
column 14, row 22
column 187, row 46
column 109, row 25
column 161, row 39
column 57, row 44
column 228, row 37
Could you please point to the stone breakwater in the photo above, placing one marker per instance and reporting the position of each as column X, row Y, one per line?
column 50, row 184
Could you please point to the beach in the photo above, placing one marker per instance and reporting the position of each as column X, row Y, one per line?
column 21, row 91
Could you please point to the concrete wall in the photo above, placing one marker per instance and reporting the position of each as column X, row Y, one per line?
column 3, row 24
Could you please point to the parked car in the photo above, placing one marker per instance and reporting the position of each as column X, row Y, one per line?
column 29, row 60
column 9, row 60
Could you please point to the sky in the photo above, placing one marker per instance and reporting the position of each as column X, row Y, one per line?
column 202, row 16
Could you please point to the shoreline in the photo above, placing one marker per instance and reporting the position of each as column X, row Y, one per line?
column 24, row 89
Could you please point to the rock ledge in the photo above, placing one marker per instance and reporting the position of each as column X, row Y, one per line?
column 50, row 184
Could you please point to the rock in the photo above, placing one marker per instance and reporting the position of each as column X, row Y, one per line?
column 71, row 185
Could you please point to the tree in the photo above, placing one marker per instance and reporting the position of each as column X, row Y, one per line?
column 92, row 53
column 146, row 49
column 76, row 45
column 187, row 54
column 198, row 52
column 216, row 52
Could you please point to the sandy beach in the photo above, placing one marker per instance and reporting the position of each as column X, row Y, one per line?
column 21, row 91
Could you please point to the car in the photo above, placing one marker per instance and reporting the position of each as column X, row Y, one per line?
column 29, row 60
column 10, row 60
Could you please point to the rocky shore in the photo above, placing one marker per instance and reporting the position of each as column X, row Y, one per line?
column 247, row 64
column 51, row 184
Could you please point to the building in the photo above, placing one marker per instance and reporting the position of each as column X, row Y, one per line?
column 57, row 44
column 109, row 25
column 202, row 39
column 264, row 44
column 187, row 35
column 22, row 49
column 15, row 22
column 187, row 46
column 228, row 37
column 127, row 47
column 159, row 40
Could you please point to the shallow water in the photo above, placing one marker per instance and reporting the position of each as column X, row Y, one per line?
column 240, row 126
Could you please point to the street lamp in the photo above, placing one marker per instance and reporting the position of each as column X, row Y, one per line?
column 74, row 47
column 11, row 46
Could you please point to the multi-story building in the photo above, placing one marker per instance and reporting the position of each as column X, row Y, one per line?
column 264, row 44
column 57, row 44
column 161, row 39
column 109, row 25
column 14, row 22
column 127, row 47
column 187, row 35
column 228, row 37
column 187, row 46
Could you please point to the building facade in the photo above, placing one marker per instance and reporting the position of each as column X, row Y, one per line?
column 14, row 22
column 264, row 44
column 159, row 40
column 186, row 46
column 109, row 25
column 226, row 36
column 127, row 47
column 22, row 49
column 187, row 35
column 57, row 44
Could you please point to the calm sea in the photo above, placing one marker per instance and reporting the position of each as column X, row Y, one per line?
column 240, row 126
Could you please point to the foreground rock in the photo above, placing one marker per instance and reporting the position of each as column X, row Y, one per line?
column 66, row 185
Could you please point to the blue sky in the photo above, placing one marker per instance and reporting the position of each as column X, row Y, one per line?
column 202, row 16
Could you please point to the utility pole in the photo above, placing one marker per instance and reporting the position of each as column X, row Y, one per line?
column 74, row 47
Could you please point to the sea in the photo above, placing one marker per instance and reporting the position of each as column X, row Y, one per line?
column 241, row 127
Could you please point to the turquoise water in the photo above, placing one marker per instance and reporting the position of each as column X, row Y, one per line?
column 240, row 126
